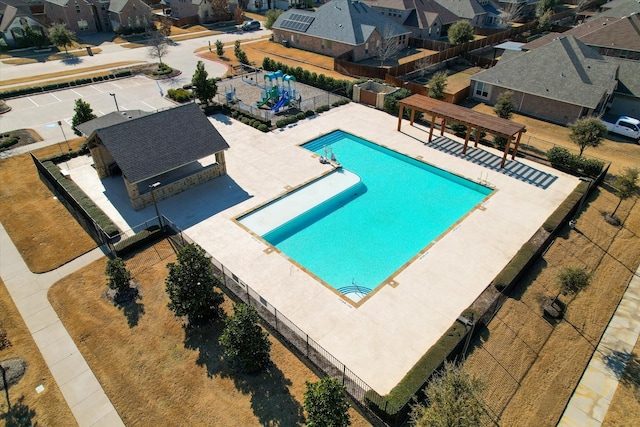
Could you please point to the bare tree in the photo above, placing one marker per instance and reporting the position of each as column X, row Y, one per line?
column 512, row 12
column 388, row 45
column 158, row 46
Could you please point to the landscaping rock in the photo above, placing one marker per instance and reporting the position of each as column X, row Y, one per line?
column 15, row 369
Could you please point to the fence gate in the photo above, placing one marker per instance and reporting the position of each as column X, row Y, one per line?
column 367, row 97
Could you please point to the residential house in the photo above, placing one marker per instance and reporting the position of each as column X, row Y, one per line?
column 340, row 27
column 610, row 36
column 15, row 15
column 626, row 98
column 166, row 152
column 426, row 19
column 619, row 8
column 479, row 13
column 561, row 81
column 80, row 16
column 189, row 11
column 127, row 13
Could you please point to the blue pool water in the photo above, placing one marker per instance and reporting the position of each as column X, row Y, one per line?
column 364, row 235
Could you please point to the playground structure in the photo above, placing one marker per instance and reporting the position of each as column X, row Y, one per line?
column 279, row 91
column 230, row 93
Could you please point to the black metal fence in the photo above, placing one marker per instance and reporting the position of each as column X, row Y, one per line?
column 296, row 337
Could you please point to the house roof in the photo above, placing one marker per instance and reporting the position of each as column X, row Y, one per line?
column 423, row 12
column 345, row 21
column 628, row 76
column 467, row 9
column 607, row 32
column 117, row 5
column 87, row 128
column 620, row 8
column 10, row 10
column 62, row 3
column 153, row 144
column 566, row 70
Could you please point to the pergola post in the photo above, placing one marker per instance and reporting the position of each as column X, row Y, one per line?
column 477, row 138
column 515, row 149
column 443, row 125
column 433, row 123
column 413, row 115
column 400, row 116
column 506, row 151
column 466, row 140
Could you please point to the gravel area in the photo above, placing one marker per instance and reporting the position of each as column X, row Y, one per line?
column 248, row 92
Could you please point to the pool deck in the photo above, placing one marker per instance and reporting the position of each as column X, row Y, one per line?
column 381, row 339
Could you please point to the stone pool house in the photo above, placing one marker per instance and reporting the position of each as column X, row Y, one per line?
column 158, row 154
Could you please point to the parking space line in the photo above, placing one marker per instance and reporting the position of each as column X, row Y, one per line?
column 77, row 93
column 150, row 106
column 68, row 120
column 34, row 102
column 119, row 87
column 59, row 100
column 95, row 88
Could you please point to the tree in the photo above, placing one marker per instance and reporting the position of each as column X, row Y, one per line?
column 587, row 132
column 326, row 404
column 460, row 32
column 388, row 45
column 236, row 47
column 219, row 48
column 165, row 27
column 84, row 113
column 158, row 46
column 238, row 15
column 204, row 88
column 244, row 340
column 451, row 394
column 511, row 12
column 272, row 15
column 33, row 36
column 190, row 286
column 626, row 185
column 437, row 85
column 504, row 108
column 572, row 280
column 220, row 10
column 59, row 35
column 118, row 277
column 240, row 54
column 544, row 22
column 544, row 6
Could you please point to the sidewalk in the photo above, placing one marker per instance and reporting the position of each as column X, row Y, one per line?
column 80, row 388
column 590, row 401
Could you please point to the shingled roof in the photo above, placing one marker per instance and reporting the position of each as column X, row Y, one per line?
column 566, row 70
column 423, row 12
column 467, row 9
column 620, row 8
column 87, row 128
column 156, row 143
column 345, row 21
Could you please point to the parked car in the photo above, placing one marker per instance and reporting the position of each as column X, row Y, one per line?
column 623, row 125
column 251, row 26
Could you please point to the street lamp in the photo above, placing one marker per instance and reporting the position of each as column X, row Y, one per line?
column 155, row 203
column 64, row 135
column 115, row 100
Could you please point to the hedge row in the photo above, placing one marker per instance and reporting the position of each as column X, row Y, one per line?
column 83, row 200
column 180, row 94
column 300, row 116
column 138, row 240
column 563, row 159
column 9, row 142
column 63, row 157
column 399, row 398
column 524, row 256
column 61, row 85
column 307, row 77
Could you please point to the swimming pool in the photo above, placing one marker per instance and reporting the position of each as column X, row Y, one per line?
column 358, row 236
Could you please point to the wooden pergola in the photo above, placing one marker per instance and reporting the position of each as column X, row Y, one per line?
column 464, row 116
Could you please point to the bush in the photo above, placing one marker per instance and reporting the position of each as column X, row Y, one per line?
column 300, row 116
column 138, row 240
column 179, row 95
column 400, row 397
column 561, row 158
column 500, row 142
column 458, row 129
column 309, row 113
column 518, row 263
column 281, row 123
column 9, row 142
column 263, row 128
column 322, row 108
column 562, row 212
column 391, row 102
column 592, row 167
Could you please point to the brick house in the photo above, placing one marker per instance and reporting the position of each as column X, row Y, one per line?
column 168, row 151
column 426, row 19
column 14, row 16
column 81, row 17
column 127, row 13
column 340, row 27
column 559, row 82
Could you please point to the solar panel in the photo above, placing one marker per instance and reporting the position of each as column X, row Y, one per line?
column 297, row 22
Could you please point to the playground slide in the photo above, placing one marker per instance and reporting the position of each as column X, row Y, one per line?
column 281, row 102
column 263, row 102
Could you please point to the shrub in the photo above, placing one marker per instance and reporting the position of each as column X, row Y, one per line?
column 281, row 123
column 300, row 116
column 563, row 159
column 9, row 142
column 391, row 102
column 499, row 142
column 592, row 167
column 519, row 262
column 459, row 129
column 322, row 108
column 245, row 120
column 138, row 240
column 179, row 95
column 562, row 212
column 309, row 113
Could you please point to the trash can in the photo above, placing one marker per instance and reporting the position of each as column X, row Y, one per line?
column 285, row 43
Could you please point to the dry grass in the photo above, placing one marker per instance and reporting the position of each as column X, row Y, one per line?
column 257, row 50
column 47, row 408
column 544, row 135
column 77, row 53
column 19, row 61
column 75, row 71
column 625, row 405
column 154, row 371
column 533, row 367
column 45, row 233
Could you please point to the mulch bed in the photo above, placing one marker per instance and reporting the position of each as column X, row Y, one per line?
column 25, row 137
